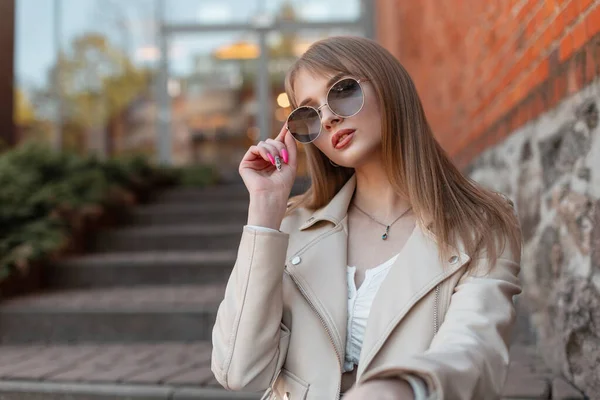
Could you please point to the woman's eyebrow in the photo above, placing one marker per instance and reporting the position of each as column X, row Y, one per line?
column 330, row 82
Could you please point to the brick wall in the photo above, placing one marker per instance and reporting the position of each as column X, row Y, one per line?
column 485, row 68
column 512, row 90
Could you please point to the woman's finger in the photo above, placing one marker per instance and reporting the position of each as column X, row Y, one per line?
column 281, row 134
column 276, row 144
column 272, row 151
column 256, row 153
column 291, row 147
column 281, row 148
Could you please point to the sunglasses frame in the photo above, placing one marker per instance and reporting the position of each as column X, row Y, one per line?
column 318, row 109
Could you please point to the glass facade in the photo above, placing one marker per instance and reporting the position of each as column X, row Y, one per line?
column 206, row 76
column 211, row 12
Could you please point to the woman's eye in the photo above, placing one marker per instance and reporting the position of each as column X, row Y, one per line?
column 343, row 86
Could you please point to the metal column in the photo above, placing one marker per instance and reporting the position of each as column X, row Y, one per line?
column 263, row 87
column 163, row 126
column 368, row 18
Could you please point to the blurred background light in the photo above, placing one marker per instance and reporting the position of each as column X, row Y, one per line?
column 282, row 100
column 237, row 51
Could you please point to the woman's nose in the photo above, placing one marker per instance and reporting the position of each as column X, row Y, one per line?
column 329, row 119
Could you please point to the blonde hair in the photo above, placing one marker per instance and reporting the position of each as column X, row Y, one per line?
column 452, row 206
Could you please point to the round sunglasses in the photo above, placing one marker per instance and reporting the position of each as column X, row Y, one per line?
column 345, row 98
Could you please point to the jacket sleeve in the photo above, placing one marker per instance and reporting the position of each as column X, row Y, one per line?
column 249, row 340
column 469, row 356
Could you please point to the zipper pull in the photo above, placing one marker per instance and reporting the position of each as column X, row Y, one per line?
column 269, row 391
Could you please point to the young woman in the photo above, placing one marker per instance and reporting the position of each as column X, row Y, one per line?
column 393, row 276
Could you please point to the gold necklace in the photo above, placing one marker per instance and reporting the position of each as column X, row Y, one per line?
column 387, row 227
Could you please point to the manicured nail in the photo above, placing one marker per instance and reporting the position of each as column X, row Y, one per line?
column 271, row 158
column 285, row 155
column 278, row 163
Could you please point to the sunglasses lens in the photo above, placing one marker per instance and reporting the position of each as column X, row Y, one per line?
column 346, row 97
column 304, row 124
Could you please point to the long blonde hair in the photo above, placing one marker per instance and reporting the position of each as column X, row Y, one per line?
column 452, row 206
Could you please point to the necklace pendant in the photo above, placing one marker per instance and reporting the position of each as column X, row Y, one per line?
column 385, row 235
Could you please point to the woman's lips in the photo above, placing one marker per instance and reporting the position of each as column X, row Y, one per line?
column 344, row 140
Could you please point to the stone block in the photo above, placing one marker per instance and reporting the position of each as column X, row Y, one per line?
column 529, row 387
column 563, row 390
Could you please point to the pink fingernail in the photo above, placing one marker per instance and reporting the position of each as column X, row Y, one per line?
column 271, row 158
column 285, row 155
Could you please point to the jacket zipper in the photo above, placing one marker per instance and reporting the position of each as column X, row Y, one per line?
column 339, row 357
column 435, row 310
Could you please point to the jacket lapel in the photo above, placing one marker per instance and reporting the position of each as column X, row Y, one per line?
column 321, row 277
column 416, row 271
column 319, row 266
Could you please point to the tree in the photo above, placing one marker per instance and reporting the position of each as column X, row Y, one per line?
column 24, row 111
column 97, row 82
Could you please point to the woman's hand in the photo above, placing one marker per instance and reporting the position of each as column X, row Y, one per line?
column 258, row 167
column 269, row 187
column 381, row 389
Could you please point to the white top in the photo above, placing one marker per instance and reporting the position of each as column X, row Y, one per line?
column 359, row 307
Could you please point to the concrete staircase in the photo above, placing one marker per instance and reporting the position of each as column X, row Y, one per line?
column 131, row 319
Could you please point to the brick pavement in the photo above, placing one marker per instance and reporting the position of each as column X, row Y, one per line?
column 163, row 363
column 188, row 365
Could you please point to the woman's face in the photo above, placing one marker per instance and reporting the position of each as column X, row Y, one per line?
column 365, row 141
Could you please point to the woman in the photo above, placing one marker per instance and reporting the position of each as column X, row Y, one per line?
column 393, row 276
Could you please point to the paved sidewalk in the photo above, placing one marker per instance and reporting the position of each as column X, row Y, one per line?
column 165, row 371
column 165, row 368
column 165, row 363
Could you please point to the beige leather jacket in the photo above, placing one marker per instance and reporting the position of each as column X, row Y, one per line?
column 282, row 324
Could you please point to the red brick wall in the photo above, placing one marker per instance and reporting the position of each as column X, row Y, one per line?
column 484, row 68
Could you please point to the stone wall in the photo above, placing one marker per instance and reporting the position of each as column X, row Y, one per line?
column 551, row 169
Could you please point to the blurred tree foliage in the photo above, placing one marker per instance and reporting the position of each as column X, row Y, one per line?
column 97, row 81
column 24, row 111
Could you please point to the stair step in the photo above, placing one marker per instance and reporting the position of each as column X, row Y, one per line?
column 109, row 315
column 201, row 195
column 236, row 191
column 169, row 238
column 174, row 214
column 166, row 370
column 142, row 268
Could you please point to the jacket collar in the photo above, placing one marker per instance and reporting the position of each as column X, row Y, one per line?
column 334, row 211
column 337, row 209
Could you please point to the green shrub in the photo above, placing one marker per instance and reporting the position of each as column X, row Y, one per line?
column 42, row 192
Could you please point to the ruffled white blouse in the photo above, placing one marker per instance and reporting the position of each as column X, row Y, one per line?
column 359, row 307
